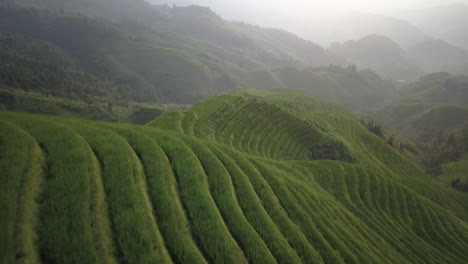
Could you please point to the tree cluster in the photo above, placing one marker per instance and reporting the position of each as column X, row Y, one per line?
column 448, row 146
column 459, row 185
column 374, row 128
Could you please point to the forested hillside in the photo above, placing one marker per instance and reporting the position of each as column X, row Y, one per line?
column 165, row 55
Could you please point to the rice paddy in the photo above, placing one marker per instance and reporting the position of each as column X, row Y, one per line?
column 252, row 178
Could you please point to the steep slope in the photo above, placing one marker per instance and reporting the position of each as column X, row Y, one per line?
column 140, row 194
column 240, row 44
column 380, row 54
column 139, row 63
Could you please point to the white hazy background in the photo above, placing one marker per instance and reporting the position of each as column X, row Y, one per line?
column 328, row 21
column 232, row 9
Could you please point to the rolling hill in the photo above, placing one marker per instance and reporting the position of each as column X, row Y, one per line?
column 433, row 113
column 357, row 90
column 437, row 101
column 249, row 177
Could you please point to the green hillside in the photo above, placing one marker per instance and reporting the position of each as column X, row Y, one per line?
column 433, row 113
column 456, row 174
column 357, row 90
column 437, row 101
column 79, row 56
column 100, row 53
column 249, row 177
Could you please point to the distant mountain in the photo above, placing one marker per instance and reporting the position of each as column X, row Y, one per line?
column 448, row 22
column 314, row 26
column 457, row 36
column 174, row 55
column 167, row 55
column 439, row 56
column 380, row 54
column 248, row 47
column 463, row 69
column 358, row 25
column 439, row 19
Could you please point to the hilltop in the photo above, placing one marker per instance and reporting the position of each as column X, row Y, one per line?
column 251, row 177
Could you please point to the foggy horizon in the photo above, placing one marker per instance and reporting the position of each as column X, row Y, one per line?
column 301, row 8
column 328, row 21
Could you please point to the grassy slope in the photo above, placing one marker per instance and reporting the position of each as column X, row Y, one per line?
column 434, row 102
column 232, row 180
column 427, row 112
column 360, row 91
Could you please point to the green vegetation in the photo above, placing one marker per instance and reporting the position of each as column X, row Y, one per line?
column 20, row 189
column 93, row 60
column 456, row 175
column 433, row 113
column 249, row 177
column 358, row 90
column 65, row 201
column 144, row 114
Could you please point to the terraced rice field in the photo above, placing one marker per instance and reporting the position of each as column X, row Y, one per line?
column 257, row 178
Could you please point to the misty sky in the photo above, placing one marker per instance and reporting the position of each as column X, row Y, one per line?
column 304, row 7
column 318, row 21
